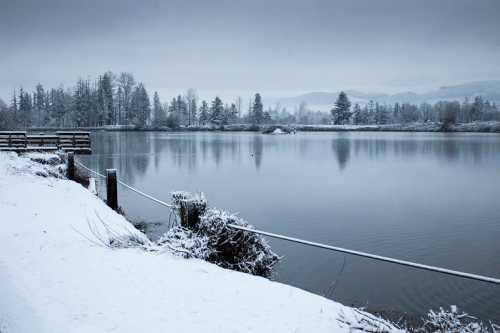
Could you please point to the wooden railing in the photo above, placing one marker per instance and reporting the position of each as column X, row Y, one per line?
column 13, row 139
column 75, row 141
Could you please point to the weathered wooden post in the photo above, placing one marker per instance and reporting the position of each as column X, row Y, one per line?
column 71, row 166
column 190, row 208
column 111, row 189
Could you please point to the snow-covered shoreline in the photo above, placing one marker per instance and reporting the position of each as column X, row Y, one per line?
column 473, row 127
column 55, row 278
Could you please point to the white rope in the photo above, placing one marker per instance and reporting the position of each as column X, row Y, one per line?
column 373, row 256
column 90, row 170
column 146, row 195
column 324, row 246
column 128, row 186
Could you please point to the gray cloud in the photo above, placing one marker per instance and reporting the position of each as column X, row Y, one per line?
column 237, row 47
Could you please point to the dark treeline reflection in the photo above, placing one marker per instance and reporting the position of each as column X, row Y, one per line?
column 342, row 150
column 132, row 153
column 447, row 147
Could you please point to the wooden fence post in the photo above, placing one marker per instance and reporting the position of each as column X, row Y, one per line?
column 190, row 210
column 71, row 166
column 111, row 189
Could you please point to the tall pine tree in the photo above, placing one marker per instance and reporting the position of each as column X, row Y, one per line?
column 341, row 112
column 257, row 116
column 204, row 116
column 159, row 117
column 217, row 111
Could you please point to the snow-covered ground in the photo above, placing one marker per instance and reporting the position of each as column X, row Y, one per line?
column 478, row 126
column 55, row 276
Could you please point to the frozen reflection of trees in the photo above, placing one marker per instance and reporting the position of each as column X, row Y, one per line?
column 342, row 149
column 133, row 152
column 127, row 152
column 256, row 149
column 443, row 147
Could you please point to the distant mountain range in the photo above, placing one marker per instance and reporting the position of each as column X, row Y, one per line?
column 323, row 101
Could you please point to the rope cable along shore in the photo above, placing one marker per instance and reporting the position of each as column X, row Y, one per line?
column 129, row 187
column 447, row 271
column 90, row 170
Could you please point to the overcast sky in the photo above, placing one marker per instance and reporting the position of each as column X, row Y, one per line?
column 238, row 47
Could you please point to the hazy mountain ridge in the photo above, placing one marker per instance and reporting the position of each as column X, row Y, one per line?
column 489, row 90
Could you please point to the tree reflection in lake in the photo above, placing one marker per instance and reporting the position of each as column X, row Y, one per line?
column 342, row 150
column 131, row 152
column 256, row 150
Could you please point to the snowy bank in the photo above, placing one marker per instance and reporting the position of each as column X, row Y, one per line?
column 57, row 277
column 478, row 126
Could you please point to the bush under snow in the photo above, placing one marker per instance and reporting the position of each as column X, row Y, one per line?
column 212, row 239
column 45, row 164
column 451, row 321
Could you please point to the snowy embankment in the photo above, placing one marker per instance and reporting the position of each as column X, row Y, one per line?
column 56, row 276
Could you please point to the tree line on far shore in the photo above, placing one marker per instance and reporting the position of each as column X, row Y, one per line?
column 446, row 112
column 118, row 99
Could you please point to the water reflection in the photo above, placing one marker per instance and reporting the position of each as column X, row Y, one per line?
column 132, row 153
column 112, row 150
column 256, row 149
column 449, row 148
column 342, row 149
column 286, row 184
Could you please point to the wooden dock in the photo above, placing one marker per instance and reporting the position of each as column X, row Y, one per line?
column 18, row 141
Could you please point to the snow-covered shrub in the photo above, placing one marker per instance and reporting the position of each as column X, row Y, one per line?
column 212, row 239
column 235, row 249
column 451, row 321
column 46, row 158
column 52, row 164
column 186, row 243
column 39, row 164
column 117, row 236
column 360, row 321
column 442, row 321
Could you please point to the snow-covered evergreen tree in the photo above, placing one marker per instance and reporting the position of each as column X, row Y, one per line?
column 159, row 116
column 140, row 106
column 105, row 100
column 477, row 108
column 217, row 111
column 204, row 116
column 341, row 113
column 39, row 104
column 257, row 116
column 232, row 116
column 81, row 96
column 381, row 114
column 191, row 101
column 127, row 84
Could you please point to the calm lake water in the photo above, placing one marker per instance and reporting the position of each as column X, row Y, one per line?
column 424, row 197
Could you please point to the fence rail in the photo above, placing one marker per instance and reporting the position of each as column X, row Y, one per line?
column 76, row 141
